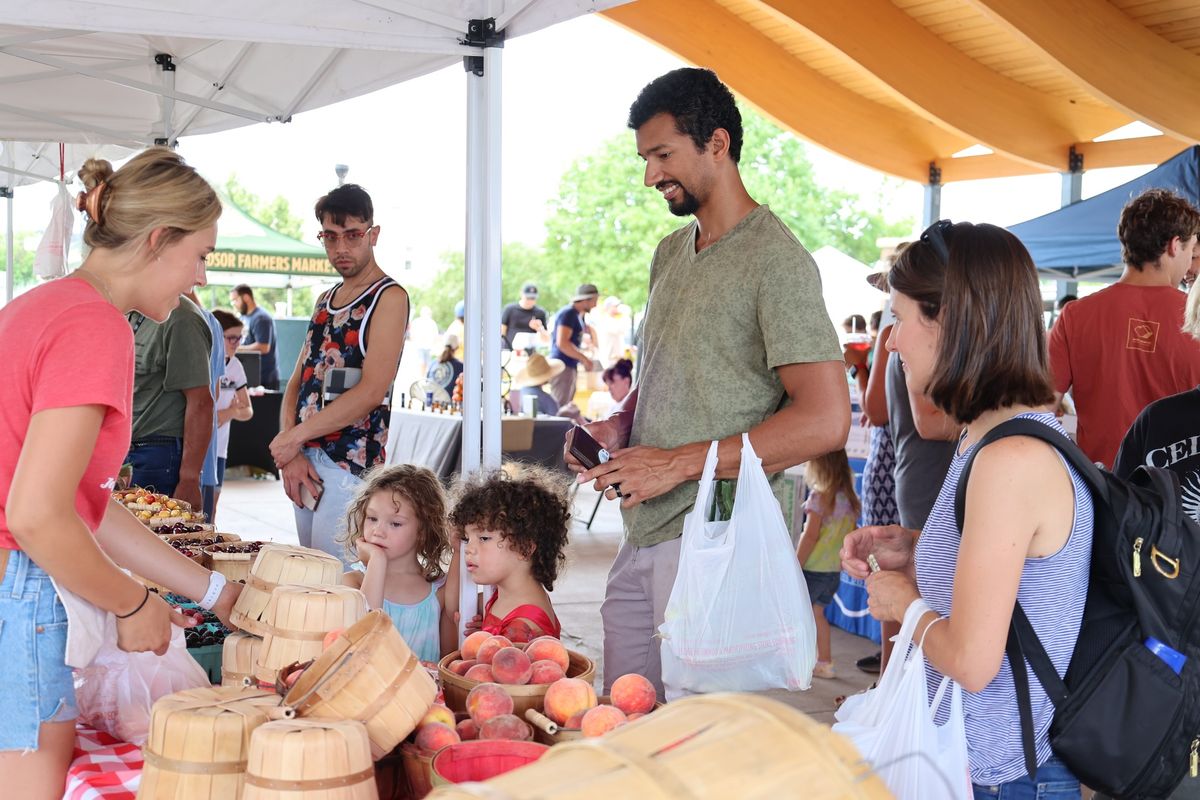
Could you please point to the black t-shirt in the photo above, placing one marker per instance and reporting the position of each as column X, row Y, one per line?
column 1167, row 434
column 517, row 319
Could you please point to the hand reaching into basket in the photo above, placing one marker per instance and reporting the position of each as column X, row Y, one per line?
column 224, row 605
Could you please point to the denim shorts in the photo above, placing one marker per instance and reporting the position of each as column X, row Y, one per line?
column 822, row 586
column 1052, row 782
column 35, row 681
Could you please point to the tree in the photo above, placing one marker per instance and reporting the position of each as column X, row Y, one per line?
column 275, row 214
column 521, row 263
column 22, row 259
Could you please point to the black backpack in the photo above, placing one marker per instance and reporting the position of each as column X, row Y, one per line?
column 1125, row 722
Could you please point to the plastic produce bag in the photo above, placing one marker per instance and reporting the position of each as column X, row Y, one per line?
column 50, row 261
column 739, row 616
column 115, row 693
column 892, row 725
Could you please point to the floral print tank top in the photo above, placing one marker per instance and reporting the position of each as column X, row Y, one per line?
column 336, row 339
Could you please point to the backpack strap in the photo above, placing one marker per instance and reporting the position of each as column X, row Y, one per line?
column 1166, row 483
column 1023, row 643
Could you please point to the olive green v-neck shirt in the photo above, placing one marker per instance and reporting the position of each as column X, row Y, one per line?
column 717, row 325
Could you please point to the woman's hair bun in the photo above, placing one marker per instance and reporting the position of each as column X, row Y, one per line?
column 94, row 172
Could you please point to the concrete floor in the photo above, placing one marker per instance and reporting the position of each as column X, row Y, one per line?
column 258, row 509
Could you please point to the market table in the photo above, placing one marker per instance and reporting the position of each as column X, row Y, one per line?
column 435, row 440
column 103, row 767
column 250, row 441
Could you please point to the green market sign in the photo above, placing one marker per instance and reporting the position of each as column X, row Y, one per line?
column 242, row 261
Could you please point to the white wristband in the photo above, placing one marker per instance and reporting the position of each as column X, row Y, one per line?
column 216, row 582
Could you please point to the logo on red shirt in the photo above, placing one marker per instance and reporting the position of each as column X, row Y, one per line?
column 1143, row 335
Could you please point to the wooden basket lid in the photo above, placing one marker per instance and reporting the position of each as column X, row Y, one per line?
column 309, row 756
column 276, row 565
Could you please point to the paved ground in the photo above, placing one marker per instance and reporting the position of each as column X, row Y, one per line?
column 257, row 509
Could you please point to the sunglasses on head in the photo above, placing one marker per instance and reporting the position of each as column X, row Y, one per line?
column 934, row 236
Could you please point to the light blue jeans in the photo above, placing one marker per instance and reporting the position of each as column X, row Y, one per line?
column 35, row 681
column 322, row 528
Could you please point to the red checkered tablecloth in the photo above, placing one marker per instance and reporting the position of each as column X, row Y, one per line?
column 104, row 768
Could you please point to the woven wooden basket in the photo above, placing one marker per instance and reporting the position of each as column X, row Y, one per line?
column 234, row 566
column 367, row 674
column 237, row 658
column 310, row 759
column 296, row 620
column 199, row 740
column 456, row 687
column 549, row 732
column 279, row 564
column 710, row 747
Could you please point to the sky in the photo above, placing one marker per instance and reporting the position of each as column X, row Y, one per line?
column 566, row 91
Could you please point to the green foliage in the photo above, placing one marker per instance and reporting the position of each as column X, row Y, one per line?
column 22, row 259
column 605, row 223
column 275, row 214
column 217, row 296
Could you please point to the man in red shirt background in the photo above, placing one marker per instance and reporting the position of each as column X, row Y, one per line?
column 1120, row 349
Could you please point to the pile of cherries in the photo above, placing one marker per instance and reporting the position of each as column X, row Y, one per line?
column 208, row 630
column 239, row 547
column 179, row 527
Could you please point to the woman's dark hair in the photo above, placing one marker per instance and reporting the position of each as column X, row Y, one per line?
column 992, row 348
column 875, row 320
column 350, row 200
column 1151, row 220
column 226, row 318
column 856, row 323
column 528, row 506
column 447, row 354
column 423, row 491
column 621, row 369
column 697, row 100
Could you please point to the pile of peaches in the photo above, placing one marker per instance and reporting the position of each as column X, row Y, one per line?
column 496, row 659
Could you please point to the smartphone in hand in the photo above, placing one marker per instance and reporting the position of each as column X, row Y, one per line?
column 308, row 499
column 588, row 451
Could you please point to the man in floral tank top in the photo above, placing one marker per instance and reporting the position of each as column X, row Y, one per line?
column 324, row 446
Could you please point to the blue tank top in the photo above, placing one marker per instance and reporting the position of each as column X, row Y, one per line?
column 419, row 624
column 1052, row 591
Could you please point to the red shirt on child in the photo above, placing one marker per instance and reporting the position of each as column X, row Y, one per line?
column 66, row 346
column 497, row 627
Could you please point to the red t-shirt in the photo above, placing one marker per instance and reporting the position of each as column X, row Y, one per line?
column 65, row 346
column 1119, row 350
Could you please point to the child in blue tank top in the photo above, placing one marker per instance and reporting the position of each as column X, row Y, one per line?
column 396, row 528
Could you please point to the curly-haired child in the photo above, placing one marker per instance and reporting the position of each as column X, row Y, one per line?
column 396, row 526
column 512, row 524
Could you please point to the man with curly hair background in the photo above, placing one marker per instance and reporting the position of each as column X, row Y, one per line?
column 735, row 338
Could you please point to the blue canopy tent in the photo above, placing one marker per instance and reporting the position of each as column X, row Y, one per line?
column 1080, row 240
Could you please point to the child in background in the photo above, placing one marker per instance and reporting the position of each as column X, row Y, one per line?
column 832, row 510
column 512, row 524
column 396, row 527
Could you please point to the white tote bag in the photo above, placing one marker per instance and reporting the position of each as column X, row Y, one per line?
column 892, row 725
column 739, row 616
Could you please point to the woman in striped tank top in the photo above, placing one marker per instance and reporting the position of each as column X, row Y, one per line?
column 970, row 336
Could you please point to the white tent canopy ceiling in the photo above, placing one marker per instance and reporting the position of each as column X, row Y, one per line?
column 135, row 71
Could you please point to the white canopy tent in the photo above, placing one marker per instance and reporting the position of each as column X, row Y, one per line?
column 136, row 72
column 844, row 285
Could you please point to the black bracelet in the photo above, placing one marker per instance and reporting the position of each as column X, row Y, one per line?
column 139, row 607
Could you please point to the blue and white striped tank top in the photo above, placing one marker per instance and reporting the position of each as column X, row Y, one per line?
column 1052, row 592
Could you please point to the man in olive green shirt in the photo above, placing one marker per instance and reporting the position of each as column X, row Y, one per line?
column 172, row 401
column 735, row 338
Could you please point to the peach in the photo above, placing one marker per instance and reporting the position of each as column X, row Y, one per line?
column 460, row 667
column 545, row 672
column 330, row 638
column 633, row 694
column 467, row 730
column 632, row 717
column 510, row 665
column 488, row 650
column 438, row 713
column 488, row 700
column 568, row 696
column 549, row 649
column 436, row 735
column 601, row 719
column 481, row 673
column 519, row 631
column 470, row 645
column 506, row 726
column 290, row 679
column 575, row 721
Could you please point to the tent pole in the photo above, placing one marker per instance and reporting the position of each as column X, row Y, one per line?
column 7, row 193
column 932, row 207
column 1072, row 192
column 167, row 65
column 492, row 82
column 473, row 341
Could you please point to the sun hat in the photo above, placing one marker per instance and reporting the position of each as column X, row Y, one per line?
column 586, row 291
column 537, row 370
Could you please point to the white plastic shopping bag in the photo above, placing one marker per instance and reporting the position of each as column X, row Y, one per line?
column 739, row 616
column 893, row 725
column 50, row 261
column 115, row 693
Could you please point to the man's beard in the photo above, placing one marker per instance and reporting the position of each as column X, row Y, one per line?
column 686, row 205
